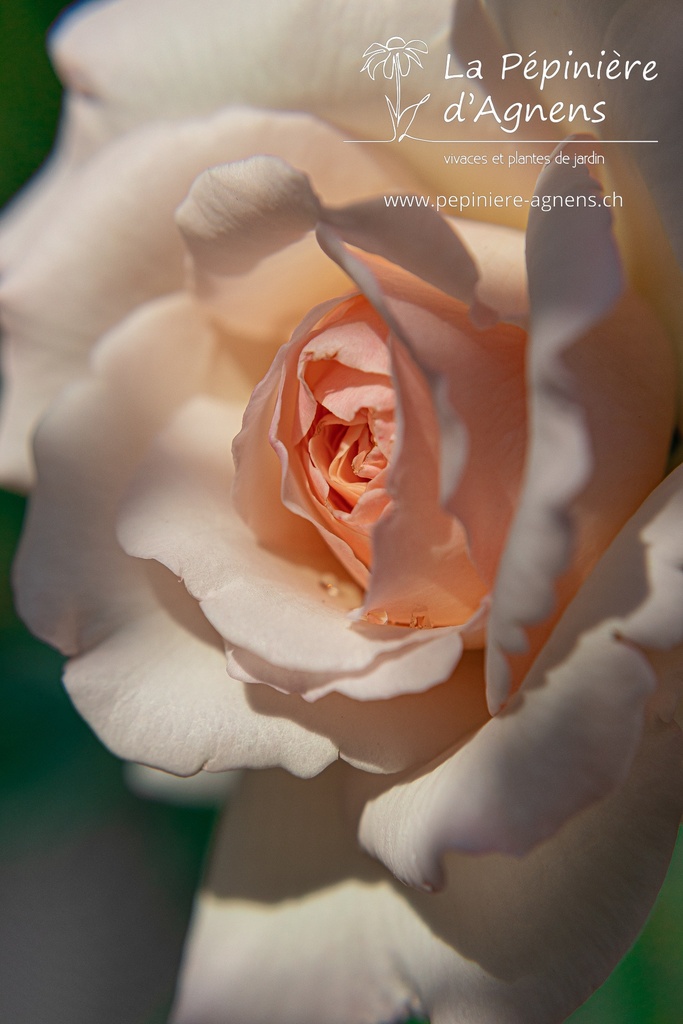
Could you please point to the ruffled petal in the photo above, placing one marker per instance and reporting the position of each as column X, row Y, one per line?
column 593, row 360
column 156, row 691
column 248, row 230
column 508, row 939
column 569, row 735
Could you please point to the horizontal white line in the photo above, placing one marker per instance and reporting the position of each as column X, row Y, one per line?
column 517, row 142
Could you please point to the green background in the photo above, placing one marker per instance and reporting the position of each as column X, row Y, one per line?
column 95, row 884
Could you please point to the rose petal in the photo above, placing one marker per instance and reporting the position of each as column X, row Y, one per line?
column 79, row 135
column 421, row 666
column 418, row 550
column 514, row 938
column 348, row 971
column 568, row 736
column 591, row 363
column 258, row 480
column 221, row 221
column 634, row 108
column 238, row 216
column 205, row 55
column 481, row 454
column 414, row 238
column 156, row 691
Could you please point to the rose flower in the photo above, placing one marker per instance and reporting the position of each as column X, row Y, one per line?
column 437, row 580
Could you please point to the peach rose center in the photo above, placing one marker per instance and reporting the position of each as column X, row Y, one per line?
column 357, row 436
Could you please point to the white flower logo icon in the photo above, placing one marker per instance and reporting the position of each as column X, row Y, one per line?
column 395, row 58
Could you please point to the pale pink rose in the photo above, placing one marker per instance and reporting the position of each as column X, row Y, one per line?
column 445, row 566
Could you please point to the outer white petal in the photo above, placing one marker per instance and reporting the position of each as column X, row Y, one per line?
column 569, row 735
column 293, row 925
column 156, row 691
column 579, row 461
column 200, row 56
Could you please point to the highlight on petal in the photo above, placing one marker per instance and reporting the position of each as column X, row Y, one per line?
column 593, row 360
column 347, row 944
column 569, row 735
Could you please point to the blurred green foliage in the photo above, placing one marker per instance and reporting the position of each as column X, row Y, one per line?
column 58, row 785
column 29, row 91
